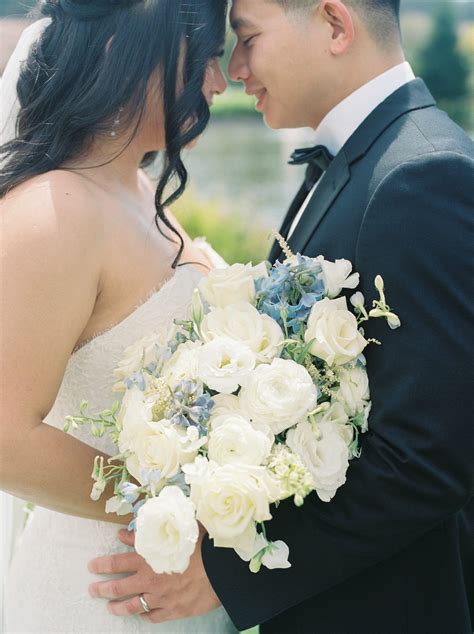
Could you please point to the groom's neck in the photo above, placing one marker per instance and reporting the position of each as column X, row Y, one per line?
column 364, row 66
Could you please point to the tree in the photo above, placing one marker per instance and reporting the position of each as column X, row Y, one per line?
column 441, row 65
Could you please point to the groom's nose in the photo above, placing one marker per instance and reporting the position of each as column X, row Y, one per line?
column 238, row 69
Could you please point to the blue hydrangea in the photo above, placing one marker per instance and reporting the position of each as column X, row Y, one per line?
column 190, row 405
column 289, row 292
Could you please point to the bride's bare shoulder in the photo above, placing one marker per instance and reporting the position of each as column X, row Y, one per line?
column 58, row 204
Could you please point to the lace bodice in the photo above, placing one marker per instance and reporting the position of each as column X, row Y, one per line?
column 50, row 564
column 89, row 372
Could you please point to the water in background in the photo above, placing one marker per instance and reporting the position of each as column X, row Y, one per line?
column 242, row 165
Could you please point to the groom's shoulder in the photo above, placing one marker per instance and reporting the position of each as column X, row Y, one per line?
column 419, row 145
column 437, row 132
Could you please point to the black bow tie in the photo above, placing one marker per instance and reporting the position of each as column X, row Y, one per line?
column 318, row 155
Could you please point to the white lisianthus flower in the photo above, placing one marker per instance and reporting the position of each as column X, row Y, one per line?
column 337, row 275
column 228, row 286
column 279, row 395
column 336, row 415
column 141, row 354
column 353, row 392
column 229, row 499
column 324, row 451
column 334, row 332
column 233, row 440
column 224, row 364
column 167, row 531
column 243, row 323
column 134, row 415
column 159, row 448
column 183, row 364
column 118, row 505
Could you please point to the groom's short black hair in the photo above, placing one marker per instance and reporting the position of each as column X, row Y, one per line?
column 382, row 17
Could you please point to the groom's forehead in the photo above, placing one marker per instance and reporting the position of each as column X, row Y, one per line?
column 244, row 13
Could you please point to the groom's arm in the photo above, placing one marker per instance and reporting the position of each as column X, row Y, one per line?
column 416, row 468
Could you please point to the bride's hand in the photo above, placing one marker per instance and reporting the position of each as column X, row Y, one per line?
column 169, row 597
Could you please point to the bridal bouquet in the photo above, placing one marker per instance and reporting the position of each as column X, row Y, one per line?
column 259, row 397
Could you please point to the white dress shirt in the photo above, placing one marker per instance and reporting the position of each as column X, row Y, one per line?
column 343, row 120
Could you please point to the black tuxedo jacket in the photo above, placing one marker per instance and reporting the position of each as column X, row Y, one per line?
column 393, row 552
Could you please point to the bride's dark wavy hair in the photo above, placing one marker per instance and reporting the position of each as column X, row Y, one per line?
column 95, row 60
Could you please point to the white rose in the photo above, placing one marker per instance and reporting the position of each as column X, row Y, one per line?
column 337, row 339
column 280, row 394
column 233, row 440
column 353, row 391
column 225, row 404
column 158, row 447
column 259, row 271
column 325, row 454
column 134, row 415
column 183, row 364
column 167, row 531
column 228, row 286
column 229, row 499
column 242, row 322
column 337, row 275
column 224, row 364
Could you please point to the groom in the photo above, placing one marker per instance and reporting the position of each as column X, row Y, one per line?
column 390, row 186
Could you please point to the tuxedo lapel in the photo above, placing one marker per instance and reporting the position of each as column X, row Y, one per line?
column 293, row 210
column 411, row 96
column 332, row 182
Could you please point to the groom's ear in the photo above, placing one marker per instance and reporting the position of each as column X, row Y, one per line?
column 341, row 24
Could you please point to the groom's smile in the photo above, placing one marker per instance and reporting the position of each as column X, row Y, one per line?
column 283, row 57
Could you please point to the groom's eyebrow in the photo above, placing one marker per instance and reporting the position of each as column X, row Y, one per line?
column 238, row 24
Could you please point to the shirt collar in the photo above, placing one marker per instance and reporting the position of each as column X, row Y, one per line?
column 344, row 119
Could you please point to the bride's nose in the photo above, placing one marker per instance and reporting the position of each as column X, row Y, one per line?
column 219, row 80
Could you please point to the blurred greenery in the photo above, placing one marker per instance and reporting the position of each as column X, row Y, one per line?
column 443, row 65
column 234, row 103
column 235, row 237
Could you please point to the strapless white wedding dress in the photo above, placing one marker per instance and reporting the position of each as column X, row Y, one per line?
column 46, row 589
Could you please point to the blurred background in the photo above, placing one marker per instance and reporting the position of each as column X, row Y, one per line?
column 239, row 176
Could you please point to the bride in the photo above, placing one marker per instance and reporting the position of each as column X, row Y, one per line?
column 92, row 260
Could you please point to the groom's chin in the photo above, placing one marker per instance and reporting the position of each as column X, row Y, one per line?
column 278, row 121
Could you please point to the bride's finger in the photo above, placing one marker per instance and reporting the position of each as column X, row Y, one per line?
column 117, row 588
column 114, row 564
